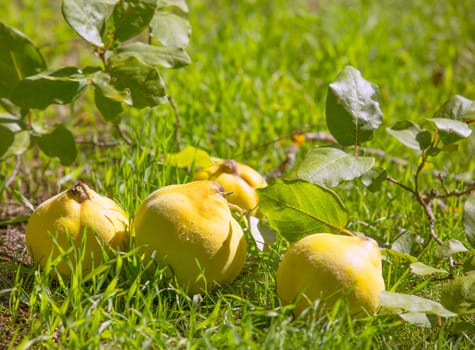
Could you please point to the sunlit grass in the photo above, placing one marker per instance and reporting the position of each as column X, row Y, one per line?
column 260, row 74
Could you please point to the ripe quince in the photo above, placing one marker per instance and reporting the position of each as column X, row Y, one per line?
column 79, row 213
column 237, row 179
column 191, row 229
column 321, row 265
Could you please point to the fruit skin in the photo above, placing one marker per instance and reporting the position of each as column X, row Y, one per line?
column 238, row 179
column 78, row 211
column 191, row 228
column 321, row 264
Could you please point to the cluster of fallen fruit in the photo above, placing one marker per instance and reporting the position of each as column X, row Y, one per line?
column 190, row 228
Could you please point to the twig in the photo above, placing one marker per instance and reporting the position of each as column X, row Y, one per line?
column 98, row 143
column 177, row 121
column 396, row 182
column 455, row 193
column 286, row 165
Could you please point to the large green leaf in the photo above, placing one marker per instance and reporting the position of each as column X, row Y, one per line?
column 399, row 303
column 168, row 57
column 352, row 110
column 60, row 86
column 458, row 108
column 14, row 139
column 296, row 208
column 142, row 80
column 19, row 58
column 330, row 166
column 170, row 29
column 459, row 294
column 88, row 18
column 450, row 130
column 58, row 143
column 131, row 17
column 469, row 218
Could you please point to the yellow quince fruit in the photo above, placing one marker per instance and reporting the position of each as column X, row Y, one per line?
column 72, row 216
column 237, row 179
column 191, row 229
column 322, row 265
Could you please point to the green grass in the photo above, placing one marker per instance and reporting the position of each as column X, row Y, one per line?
column 260, row 74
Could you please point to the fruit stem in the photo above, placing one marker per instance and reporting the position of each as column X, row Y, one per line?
column 229, row 166
column 79, row 192
column 348, row 232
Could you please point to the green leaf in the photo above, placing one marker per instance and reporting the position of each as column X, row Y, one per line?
column 459, row 294
column 102, row 82
column 88, row 18
column 177, row 4
column 14, row 139
column 145, row 84
column 170, row 29
column 60, row 86
column 450, row 130
column 110, row 109
column 422, row 269
column 406, row 132
column 398, row 303
column 458, row 108
column 374, row 178
column 352, row 110
column 58, row 143
column 424, row 138
column 19, row 58
column 405, row 242
column 296, row 208
column 168, row 57
column 7, row 137
column 188, row 157
column 398, row 255
column 330, row 166
column 131, row 17
column 469, row 218
column 449, row 248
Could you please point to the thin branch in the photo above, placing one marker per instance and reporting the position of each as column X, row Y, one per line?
column 396, row 182
column 98, row 143
column 455, row 193
column 418, row 172
column 286, row 164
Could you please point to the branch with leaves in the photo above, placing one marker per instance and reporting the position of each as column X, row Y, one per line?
column 127, row 74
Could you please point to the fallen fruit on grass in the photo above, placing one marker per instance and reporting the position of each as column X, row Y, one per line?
column 322, row 265
column 79, row 216
column 238, row 179
column 191, row 229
